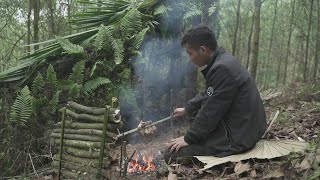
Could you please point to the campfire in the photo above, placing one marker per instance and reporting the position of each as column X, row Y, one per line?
column 141, row 163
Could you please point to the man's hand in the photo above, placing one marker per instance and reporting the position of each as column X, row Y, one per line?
column 176, row 144
column 179, row 112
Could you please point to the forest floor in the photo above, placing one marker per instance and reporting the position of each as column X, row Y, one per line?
column 299, row 107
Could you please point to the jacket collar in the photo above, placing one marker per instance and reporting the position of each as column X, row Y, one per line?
column 216, row 54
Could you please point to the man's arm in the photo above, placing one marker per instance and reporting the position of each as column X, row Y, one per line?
column 214, row 107
column 195, row 103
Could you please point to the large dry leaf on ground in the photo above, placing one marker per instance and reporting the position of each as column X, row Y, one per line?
column 264, row 149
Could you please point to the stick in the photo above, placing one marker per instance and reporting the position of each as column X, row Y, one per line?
column 171, row 119
column 121, row 159
column 132, row 155
column 34, row 169
column 125, row 158
column 61, row 142
column 272, row 122
column 137, row 129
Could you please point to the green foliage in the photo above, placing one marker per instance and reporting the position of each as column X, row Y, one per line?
column 138, row 39
column 94, row 67
column 53, row 103
column 104, row 35
column 77, row 72
column 52, row 76
column 118, row 48
column 69, row 47
column 38, row 104
column 130, row 23
column 92, row 85
column 74, row 91
column 37, row 85
column 21, row 110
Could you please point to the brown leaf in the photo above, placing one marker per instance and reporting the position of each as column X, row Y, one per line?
column 172, row 176
column 275, row 174
column 241, row 168
column 253, row 173
column 305, row 164
column 290, row 108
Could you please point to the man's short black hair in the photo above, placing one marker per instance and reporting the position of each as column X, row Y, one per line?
column 200, row 36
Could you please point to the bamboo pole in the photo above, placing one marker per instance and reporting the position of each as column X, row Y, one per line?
column 99, row 126
column 61, row 142
column 92, row 132
column 125, row 158
column 92, row 118
column 105, row 124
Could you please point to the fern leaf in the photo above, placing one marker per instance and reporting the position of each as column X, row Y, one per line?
column 118, row 49
column 38, row 104
column 74, row 92
column 53, row 103
column 77, row 72
column 92, row 85
column 21, row 110
column 64, row 85
column 69, row 47
column 52, row 76
column 131, row 23
column 37, row 85
column 94, row 67
column 192, row 13
column 104, row 34
column 138, row 39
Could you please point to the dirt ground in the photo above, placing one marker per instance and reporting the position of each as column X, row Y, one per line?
column 298, row 120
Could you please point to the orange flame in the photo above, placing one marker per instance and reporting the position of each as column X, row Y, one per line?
column 147, row 165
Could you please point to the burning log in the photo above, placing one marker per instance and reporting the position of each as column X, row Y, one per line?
column 113, row 118
column 89, row 110
column 87, row 132
column 80, row 144
column 99, row 126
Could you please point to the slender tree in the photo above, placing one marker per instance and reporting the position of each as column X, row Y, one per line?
column 289, row 40
column 249, row 43
column 29, row 25
column 316, row 57
column 36, row 11
column 305, row 69
column 256, row 36
column 234, row 44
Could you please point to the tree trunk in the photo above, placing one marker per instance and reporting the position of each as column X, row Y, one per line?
column 256, row 36
column 234, row 44
column 249, row 43
column 316, row 57
column 29, row 27
column 305, row 69
column 36, row 11
column 295, row 60
column 270, row 45
column 279, row 63
column 215, row 18
column 289, row 42
column 51, row 8
column 69, row 15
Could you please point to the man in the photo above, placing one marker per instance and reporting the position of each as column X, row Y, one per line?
column 231, row 117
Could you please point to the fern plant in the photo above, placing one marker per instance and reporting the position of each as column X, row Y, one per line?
column 21, row 110
column 77, row 72
column 94, row 84
column 53, row 103
column 52, row 76
column 37, row 85
column 69, row 47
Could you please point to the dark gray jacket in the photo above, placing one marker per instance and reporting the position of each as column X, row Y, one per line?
column 231, row 116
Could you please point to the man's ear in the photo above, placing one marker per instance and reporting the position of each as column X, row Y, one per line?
column 203, row 49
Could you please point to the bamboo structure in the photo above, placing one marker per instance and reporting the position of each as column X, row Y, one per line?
column 84, row 140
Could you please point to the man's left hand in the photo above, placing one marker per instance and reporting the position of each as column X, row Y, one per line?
column 176, row 144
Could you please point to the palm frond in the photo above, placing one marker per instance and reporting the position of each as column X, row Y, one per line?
column 21, row 110
column 92, row 85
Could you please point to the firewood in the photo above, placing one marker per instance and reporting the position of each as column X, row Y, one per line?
column 89, row 110
column 92, row 118
column 80, row 144
column 99, row 126
column 82, row 153
column 79, row 137
column 87, row 132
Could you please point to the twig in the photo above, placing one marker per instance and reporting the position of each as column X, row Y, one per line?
column 132, row 155
column 125, row 158
column 137, row 129
column 34, row 169
column 121, row 157
column 270, row 125
column 171, row 119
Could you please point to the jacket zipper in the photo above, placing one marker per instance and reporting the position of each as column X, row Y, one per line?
column 228, row 133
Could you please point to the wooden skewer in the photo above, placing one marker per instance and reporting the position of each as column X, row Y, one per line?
column 137, row 129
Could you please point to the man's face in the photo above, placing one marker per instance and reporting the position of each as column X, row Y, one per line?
column 197, row 56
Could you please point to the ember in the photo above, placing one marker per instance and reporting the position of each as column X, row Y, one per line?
column 137, row 165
